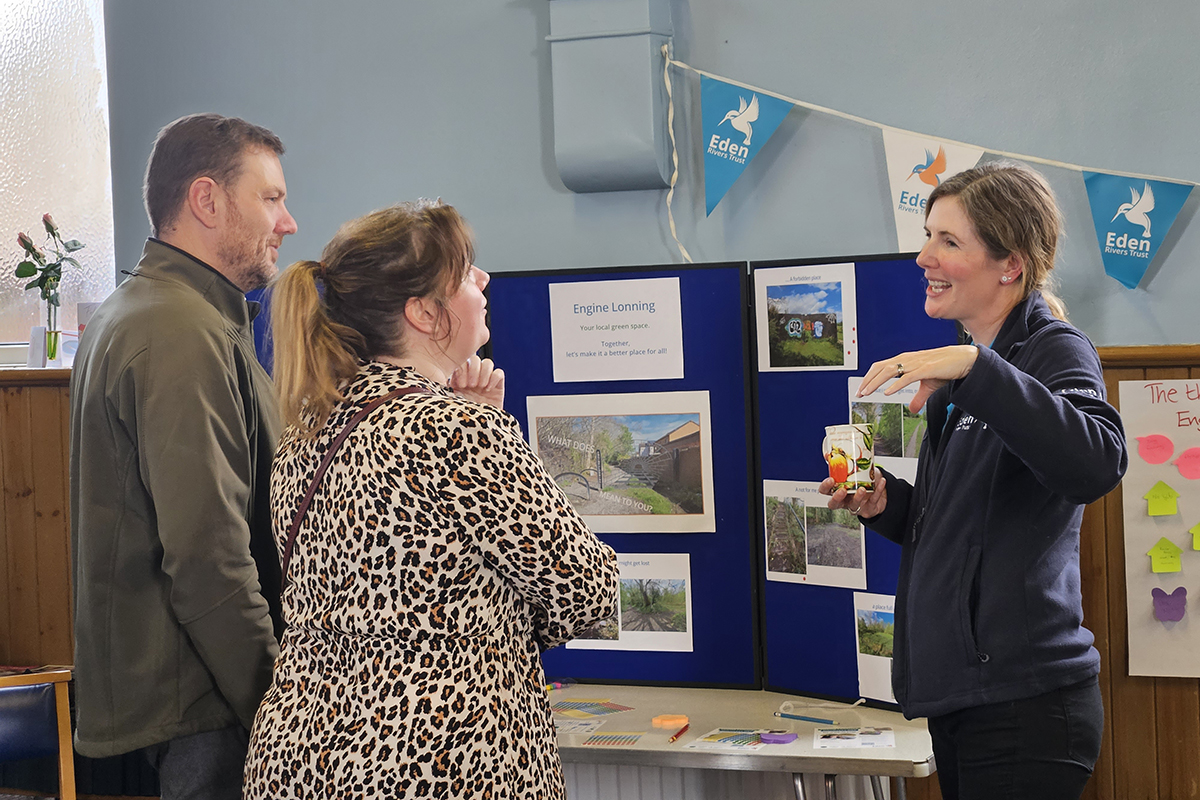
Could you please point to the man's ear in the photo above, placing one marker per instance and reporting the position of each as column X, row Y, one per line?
column 204, row 198
column 422, row 314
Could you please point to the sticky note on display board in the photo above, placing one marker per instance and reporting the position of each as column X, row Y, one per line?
column 616, row 330
column 1164, row 556
column 1161, row 500
column 1169, row 607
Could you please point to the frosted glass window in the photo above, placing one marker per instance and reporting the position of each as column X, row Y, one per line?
column 54, row 155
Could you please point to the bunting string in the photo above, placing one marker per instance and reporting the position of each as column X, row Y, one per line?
column 674, row 153
column 864, row 121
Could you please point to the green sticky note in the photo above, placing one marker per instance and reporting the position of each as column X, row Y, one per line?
column 1164, row 556
column 1195, row 532
column 1161, row 500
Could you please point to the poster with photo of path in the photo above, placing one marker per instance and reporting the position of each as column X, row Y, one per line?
column 898, row 432
column 629, row 463
column 655, row 607
column 808, row 542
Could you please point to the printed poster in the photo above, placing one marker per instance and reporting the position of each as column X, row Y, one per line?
column 808, row 542
column 845, row 738
column 874, row 628
column 898, row 431
column 629, row 463
column 916, row 166
column 655, row 611
column 1161, row 499
column 616, row 330
column 806, row 318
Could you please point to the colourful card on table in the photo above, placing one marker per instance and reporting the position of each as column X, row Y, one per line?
column 581, row 708
column 614, row 739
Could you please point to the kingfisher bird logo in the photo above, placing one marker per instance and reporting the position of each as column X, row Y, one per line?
column 1138, row 209
column 930, row 172
column 741, row 119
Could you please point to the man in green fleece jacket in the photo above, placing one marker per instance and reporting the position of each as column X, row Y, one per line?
column 173, row 427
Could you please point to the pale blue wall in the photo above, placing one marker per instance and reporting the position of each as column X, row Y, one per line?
column 379, row 100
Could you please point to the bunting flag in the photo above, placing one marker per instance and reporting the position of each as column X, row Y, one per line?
column 736, row 123
column 1132, row 217
column 916, row 166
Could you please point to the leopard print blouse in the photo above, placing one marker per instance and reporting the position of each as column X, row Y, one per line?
column 436, row 560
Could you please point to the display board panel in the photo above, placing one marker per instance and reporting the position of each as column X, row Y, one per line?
column 648, row 436
column 802, row 380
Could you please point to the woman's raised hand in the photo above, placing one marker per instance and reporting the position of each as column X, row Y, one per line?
column 933, row 368
column 479, row 380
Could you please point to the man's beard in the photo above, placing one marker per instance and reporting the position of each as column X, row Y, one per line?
column 247, row 257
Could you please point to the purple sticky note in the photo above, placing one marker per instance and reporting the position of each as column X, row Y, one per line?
column 1169, row 607
column 777, row 737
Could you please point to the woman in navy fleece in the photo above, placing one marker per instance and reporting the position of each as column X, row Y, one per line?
column 990, row 643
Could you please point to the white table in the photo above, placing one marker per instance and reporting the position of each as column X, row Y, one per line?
column 708, row 709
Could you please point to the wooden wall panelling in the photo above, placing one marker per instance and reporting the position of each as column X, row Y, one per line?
column 5, row 626
column 50, row 470
column 20, row 519
column 923, row 788
column 1132, row 713
column 35, row 605
column 1093, row 567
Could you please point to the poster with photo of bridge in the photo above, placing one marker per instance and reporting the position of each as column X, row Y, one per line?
column 630, row 463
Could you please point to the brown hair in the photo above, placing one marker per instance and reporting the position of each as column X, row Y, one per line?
column 1013, row 209
column 197, row 146
column 370, row 270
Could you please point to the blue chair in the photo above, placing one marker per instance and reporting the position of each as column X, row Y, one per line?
column 35, row 721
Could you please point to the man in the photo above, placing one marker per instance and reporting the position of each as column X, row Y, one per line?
column 173, row 426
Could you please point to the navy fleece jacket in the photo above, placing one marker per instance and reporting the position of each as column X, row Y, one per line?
column 988, row 607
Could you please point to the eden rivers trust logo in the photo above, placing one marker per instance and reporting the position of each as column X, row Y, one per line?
column 931, row 171
column 1128, row 246
column 1136, row 212
column 740, row 119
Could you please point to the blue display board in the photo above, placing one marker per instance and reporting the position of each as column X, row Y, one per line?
column 714, row 304
column 809, row 630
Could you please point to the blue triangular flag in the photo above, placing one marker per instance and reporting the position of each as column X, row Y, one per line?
column 736, row 123
column 1132, row 217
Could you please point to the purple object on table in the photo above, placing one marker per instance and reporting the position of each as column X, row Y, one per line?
column 777, row 737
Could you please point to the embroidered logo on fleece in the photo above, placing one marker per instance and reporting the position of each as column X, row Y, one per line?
column 1085, row 390
column 966, row 422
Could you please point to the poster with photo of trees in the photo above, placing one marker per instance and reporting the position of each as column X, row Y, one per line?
column 655, row 606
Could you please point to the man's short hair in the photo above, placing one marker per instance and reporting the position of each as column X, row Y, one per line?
column 196, row 146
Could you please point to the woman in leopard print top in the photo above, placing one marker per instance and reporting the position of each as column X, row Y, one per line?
column 437, row 558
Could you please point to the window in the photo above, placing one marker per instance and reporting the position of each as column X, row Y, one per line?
column 54, row 154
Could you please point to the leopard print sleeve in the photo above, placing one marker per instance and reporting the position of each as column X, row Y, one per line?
column 528, row 530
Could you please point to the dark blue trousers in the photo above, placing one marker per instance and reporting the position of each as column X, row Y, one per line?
column 1040, row 748
column 203, row 766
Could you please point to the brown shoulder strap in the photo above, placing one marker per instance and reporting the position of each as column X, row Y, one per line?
column 325, row 462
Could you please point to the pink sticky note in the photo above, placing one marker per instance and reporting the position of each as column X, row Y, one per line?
column 1188, row 463
column 1169, row 607
column 1155, row 449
